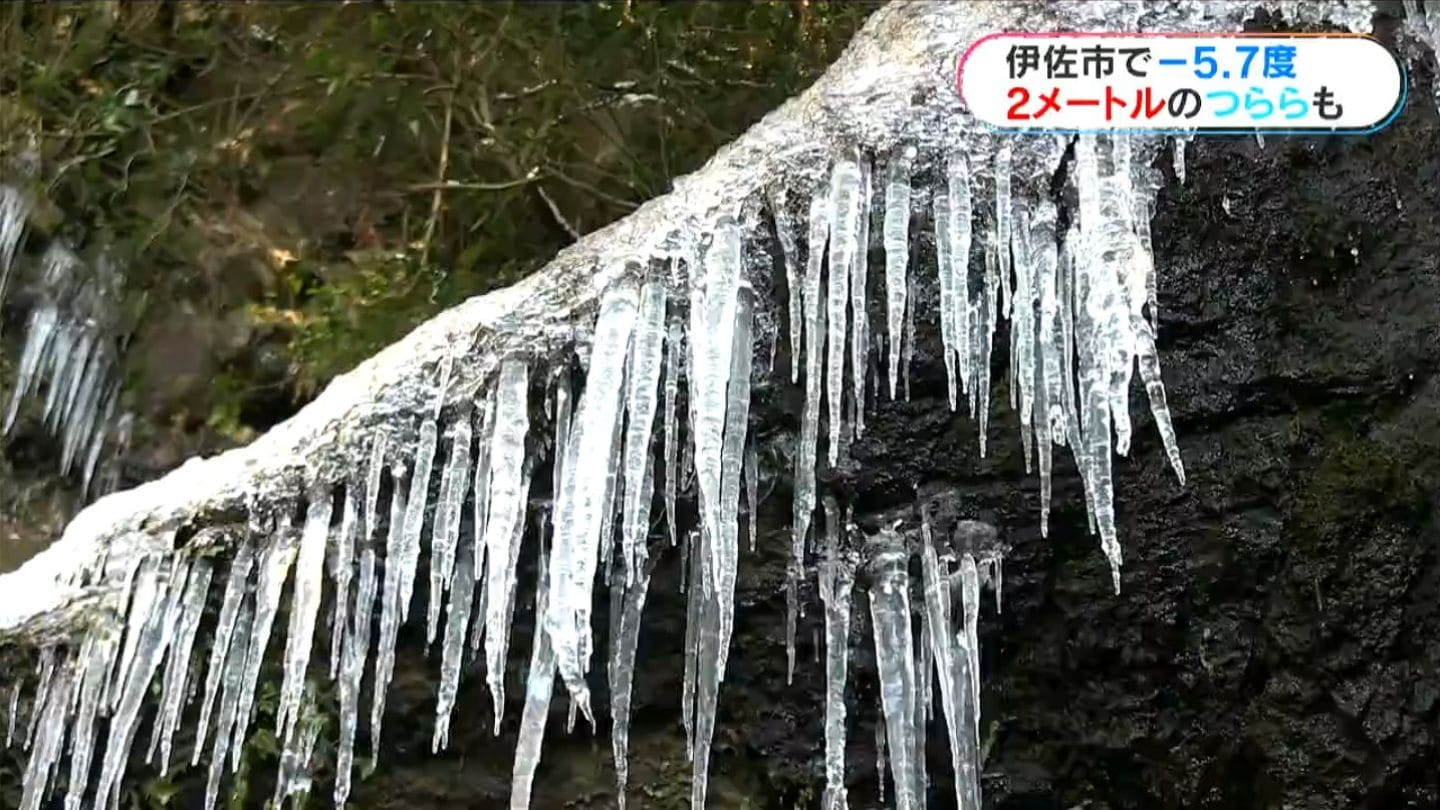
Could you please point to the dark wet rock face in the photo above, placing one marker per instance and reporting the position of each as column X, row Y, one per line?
column 1277, row 642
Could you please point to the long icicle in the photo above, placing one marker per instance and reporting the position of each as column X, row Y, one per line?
column 837, row 576
column 582, row 498
column 505, row 514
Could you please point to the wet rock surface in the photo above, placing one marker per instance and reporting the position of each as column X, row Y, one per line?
column 1275, row 641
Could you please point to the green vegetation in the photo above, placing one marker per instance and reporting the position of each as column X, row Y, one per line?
column 315, row 179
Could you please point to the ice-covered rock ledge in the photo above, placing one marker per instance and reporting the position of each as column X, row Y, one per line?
column 893, row 83
column 385, row 457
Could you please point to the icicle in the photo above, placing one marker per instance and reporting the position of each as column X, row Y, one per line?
column 454, row 485
column 640, row 406
column 506, row 513
column 837, row 575
column 859, row 315
column 787, row 231
column 907, row 351
column 390, row 610
column 234, row 684
column 457, row 622
column 630, row 602
column 1148, row 360
column 713, row 323
column 150, row 628
column 49, row 737
column 1177, row 146
column 341, row 572
column 582, row 496
column 804, row 503
column 970, row 647
column 177, row 667
column 236, row 585
column 97, row 655
column 539, row 685
column 752, row 492
column 275, row 564
column 357, row 647
column 294, row 777
column 897, row 253
column 13, row 212
column 692, row 567
column 941, row 215
column 720, row 544
column 304, row 608
column 672, row 392
column 12, row 713
column 416, row 505
column 1003, row 224
column 950, row 652
column 844, row 212
column 894, row 655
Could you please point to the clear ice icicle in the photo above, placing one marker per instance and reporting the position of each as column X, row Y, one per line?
column 720, row 545
column 1003, row 223
column 177, row 666
column 641, row 400
column 712, row 328
column 342, row 570
column 582, row 498
column 940, row 207
column 236, row 585
column 150, row 627
column 97, row 654
column 13, row 212
column 304, row 608
column 234, row 684
column 415, row 507
column 275, row 563
column 951, row 660
column 49, row 738
column 787, row 231
column 845, row 229
column 457, row 623
column 961, row 238
column 390, row 616
column 357, row 647
column 672, row 433
column 539, row 685
column 896, row 238
column 629, row 601
column 12, row 713
column 837, row 576
column 445, row 535
column 859, row 314
column 752, row 492
column 804, row 501
column 895, row 660
column 506, row 514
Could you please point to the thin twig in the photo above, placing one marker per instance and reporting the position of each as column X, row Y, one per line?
column 438, row 198
column 456, row 185
column 555, row 212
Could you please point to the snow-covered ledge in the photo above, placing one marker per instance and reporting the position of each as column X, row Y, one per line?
column 891, row 93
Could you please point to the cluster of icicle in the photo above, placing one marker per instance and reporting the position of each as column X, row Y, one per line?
column 70, row 360
column 1422, row 18
column 1077, row 304
column 947, row 650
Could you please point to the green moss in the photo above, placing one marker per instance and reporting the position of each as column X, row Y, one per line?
column 1352, row 480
